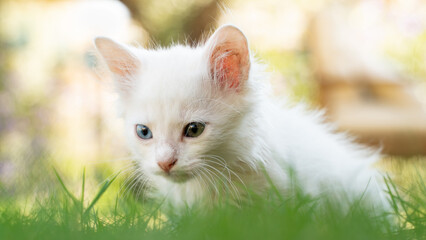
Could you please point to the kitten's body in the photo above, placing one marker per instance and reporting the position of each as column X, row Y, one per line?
column 247, row 132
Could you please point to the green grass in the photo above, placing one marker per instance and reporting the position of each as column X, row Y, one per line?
column 64, row 215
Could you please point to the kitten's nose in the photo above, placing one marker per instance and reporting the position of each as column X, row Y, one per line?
column 167, row 165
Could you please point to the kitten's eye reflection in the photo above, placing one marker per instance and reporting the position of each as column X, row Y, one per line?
column 143, row 131
column 194, row 129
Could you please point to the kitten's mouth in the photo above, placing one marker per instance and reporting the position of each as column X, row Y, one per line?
column 176, row 176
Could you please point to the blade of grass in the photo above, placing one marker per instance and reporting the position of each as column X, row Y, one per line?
column 393, row 203
column 402, row 201
column 420, row 182
column 100, row 193
column 64, row 187
column 115, row 208
column 272, row 185
column 83, row 185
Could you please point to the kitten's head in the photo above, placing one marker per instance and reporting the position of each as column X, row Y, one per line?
column 181, row 104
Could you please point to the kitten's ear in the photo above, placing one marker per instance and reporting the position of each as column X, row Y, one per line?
column 121, row 62
column 229, row 57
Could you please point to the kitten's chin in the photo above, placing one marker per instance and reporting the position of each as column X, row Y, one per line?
column 176, row 176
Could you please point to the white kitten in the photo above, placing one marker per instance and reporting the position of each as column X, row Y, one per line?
column 200, row 121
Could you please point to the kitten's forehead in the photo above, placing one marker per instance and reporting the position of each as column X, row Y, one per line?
column 172, row 71
column 171, row 83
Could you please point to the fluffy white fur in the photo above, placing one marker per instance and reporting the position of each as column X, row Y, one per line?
column 247, row 134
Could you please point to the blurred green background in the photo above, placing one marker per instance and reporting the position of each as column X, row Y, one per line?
column 57, row 108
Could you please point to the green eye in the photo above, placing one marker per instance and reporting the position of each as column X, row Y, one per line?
column 143, row 131
column 194, row 129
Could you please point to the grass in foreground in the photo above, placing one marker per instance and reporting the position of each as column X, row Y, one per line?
column 65, row 216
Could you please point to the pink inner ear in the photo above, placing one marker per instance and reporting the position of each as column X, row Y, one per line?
column 125, row 67
column 227, row 70
column 230, row 68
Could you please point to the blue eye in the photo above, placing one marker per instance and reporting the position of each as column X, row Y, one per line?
column 194, row 129
column 143, row 131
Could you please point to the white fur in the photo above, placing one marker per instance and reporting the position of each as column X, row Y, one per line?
column 248, row 133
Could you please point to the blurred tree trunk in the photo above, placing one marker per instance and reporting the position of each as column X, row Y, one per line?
column 188, row 25
column 202, row 20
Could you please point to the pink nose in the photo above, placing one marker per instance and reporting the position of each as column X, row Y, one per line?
column 167, row 165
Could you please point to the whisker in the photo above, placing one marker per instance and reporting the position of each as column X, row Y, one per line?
column 143, row 184
column 135, row 183
column 234, row 191
column 209, row 179
column 131, row 178
column 198, row 177
column 224, row 165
